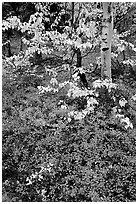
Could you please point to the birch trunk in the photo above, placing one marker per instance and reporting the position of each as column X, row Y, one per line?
column 38, row 56
column 107, row 32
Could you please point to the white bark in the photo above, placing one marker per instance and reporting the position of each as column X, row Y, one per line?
column 107, row 32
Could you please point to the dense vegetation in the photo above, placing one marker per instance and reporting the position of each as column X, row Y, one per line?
column 68, row 134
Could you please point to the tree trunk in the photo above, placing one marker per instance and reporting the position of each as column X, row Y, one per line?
column 79, row 58
column 72, row 25
column 72, row 19
column 107, row 32
column 65, row 8
column 38, row 56
column 21, row 46
column 8, row 44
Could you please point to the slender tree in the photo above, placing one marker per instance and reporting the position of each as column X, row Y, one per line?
column 9, row 53
column 38, row 56
column 72, row 19
column 72, row 25
column 107, row 32
column 79, row 58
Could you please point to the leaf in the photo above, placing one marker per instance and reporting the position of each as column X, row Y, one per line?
column 40, row 122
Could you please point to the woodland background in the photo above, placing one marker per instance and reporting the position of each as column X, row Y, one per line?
column 68, row 133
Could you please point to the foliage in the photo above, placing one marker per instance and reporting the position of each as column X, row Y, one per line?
column 48, row 158
column 61, row 140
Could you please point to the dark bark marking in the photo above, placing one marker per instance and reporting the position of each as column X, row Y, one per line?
column 109, row 20
column 109, row 8
column 105, row 49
